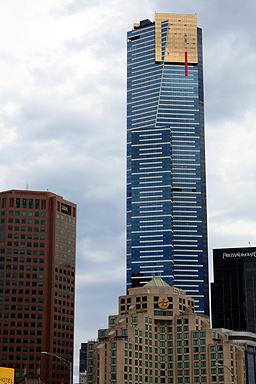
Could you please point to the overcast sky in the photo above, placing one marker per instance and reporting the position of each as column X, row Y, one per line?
column 63, row 128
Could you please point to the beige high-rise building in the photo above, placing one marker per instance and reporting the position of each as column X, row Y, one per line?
column 158, row 338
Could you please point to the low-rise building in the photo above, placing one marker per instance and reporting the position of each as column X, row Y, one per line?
column 158, row 338
column 82, row 377
column 248, row 341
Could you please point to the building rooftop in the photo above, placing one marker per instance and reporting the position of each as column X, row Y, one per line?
column 157, row 282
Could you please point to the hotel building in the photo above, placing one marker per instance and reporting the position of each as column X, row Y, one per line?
column 158, row 338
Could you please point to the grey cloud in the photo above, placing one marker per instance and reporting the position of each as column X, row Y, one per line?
column 67, row 7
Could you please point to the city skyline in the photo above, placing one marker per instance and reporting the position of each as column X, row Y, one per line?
column 166, row 191
column 62, row 105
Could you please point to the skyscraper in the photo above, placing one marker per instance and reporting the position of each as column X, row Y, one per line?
column 234, row 289
column 37, row 283
column 166, row 192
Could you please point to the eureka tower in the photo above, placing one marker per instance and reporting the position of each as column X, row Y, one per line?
column 166, row 191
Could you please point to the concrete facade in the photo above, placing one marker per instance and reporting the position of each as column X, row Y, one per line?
column 158, row 338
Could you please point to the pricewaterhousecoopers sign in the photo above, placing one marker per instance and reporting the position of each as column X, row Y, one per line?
column 234, row 255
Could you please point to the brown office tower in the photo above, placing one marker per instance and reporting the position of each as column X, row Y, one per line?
column 37, row 284
column 158, row 338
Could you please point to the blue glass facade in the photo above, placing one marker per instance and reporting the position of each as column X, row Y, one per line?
column 166, row 198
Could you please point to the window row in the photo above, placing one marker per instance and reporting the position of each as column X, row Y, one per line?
column 23, row 244
column 64, row 233
column 21, row 324
column 25, row 332
column 27, row 292
column 24, row 315
column 25, row 229
column 64, row 256
column 23, row 349
column 20, row 267
column 23, row 203
column 21, row 252
column 64, row 287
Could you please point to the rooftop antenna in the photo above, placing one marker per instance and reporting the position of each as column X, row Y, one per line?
column 27, row 186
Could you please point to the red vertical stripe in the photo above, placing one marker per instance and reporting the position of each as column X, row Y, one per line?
column 186, row 63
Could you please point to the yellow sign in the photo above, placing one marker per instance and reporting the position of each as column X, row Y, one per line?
column 6, row 375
